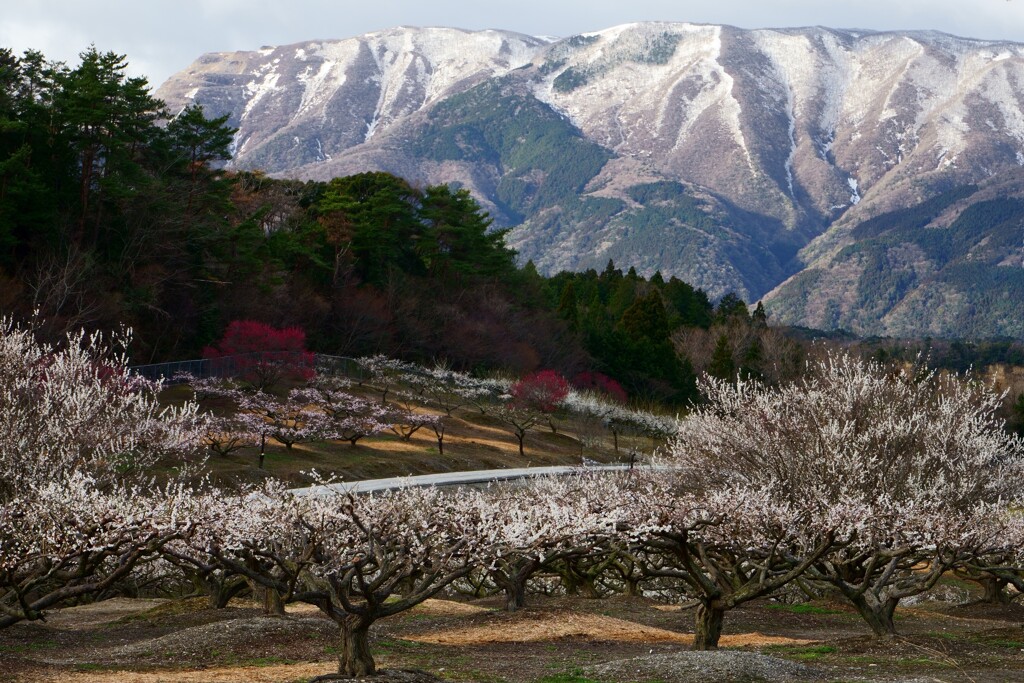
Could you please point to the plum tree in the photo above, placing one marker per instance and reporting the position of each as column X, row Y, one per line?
column 921, row 455
column 78, row 433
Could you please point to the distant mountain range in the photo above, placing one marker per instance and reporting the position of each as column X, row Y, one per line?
column 870, row 181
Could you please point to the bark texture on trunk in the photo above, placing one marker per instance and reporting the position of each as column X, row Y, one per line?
column 355, row 660
column 221, row 592
column 878, row 613
column 273, row 605
column 995, row 591
column 708, row 626
column 515, row 594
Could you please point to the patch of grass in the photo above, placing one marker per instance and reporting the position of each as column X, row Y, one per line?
column 473, row 675
column 88, row 666
column 923, row 661
column 170, row 608
column 1001, row 642
column 803, row 653
column 265, row 661
column 415, row 618
column 29, row 647
column 803, row 608
column 574, row 676
column 946, row 635
column 389, row 645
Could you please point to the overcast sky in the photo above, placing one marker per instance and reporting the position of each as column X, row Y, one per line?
column 161, row 37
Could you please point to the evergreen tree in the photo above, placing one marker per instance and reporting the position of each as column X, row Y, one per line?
column 196, row 144
column 722, row 365
column 456, row 237
column 646, row 318
column 567, row 306
column 385, row 228
column 691, row 306
column 759, row 318
column 731, row 307
column 107, row 119
column 753, row 357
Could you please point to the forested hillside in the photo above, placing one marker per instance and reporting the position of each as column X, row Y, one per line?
column 115, row 213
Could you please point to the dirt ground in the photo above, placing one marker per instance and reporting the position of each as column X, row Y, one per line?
column 553, row 640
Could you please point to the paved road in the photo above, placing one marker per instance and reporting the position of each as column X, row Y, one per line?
column 447, row 479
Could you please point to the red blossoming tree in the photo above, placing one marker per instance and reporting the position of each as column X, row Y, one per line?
column 542, row 391
column 261, row 354
column 531, row 400
column 600, row 384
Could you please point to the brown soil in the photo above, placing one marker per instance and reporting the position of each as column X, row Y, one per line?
column 535, row 627
column 150, row 641
column 228, row 674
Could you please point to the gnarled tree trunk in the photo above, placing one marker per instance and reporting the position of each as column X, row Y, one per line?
column 354, row 658
column 708, row 625
column 878, row 613
column 221, row 592
column 995, row 590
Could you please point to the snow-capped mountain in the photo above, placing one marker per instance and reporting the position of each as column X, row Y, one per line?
column 732, row 158
column 307, row 102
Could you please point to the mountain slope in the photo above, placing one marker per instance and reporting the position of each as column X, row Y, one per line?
column 734, row 159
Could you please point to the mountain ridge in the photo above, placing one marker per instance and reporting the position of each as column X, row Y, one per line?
column 774, row 143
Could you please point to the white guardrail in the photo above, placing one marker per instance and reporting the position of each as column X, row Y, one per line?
column 449, row 479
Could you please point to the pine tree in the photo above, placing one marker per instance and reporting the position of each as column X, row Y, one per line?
column 385, row 228
column 646, row 318
column 753, row 357
column 722, row 365
column 456, row 238
column 731, row 307
column 568, row 308
column 759, row 318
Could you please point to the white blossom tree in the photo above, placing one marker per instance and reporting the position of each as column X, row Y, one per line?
column 921, row 454
column 726, row 546
column 357, row 558
column 352, row 417
column 77, row 408
column 78, row 433
column 70, row 539
column 529, row 525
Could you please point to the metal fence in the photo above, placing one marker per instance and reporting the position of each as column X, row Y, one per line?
column 239, row 364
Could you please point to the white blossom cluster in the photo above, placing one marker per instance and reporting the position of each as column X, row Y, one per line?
column 617, row 416
column 870, row 480
column 77, row 434
column 77, row 408
column 906, row 475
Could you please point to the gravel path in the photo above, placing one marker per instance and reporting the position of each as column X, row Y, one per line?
column 705, row 667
